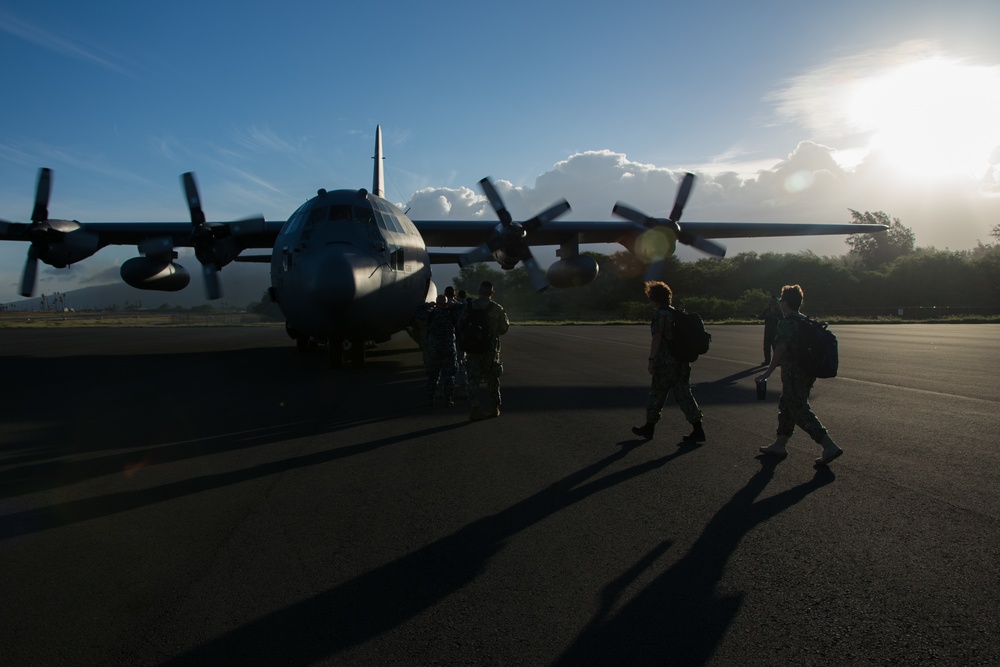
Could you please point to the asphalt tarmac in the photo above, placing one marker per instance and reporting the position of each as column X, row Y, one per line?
column 209, row 496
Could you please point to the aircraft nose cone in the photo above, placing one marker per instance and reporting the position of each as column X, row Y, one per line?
column 345, row 278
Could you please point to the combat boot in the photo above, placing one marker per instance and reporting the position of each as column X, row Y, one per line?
column 645, row 431
column 776, row 448
column 696, row 435
column 830, row 451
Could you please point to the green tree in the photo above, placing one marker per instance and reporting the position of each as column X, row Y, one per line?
column 874, row 251
column 470, row 277
column 931, row 277
column 267, row 309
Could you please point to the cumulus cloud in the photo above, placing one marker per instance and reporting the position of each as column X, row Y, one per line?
column 807, row 185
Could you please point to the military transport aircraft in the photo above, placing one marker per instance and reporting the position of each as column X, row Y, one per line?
column 350, row 266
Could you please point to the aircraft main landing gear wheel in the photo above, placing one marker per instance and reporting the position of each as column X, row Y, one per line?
column 335, row 352
column 305, row 344
column 357, row 352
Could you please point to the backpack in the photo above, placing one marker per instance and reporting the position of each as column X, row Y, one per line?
column 473, row 331
column 816, row 349
column 689, row 337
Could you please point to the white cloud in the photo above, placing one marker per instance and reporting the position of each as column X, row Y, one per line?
column 808, row 185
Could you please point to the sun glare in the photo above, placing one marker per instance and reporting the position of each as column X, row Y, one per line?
column 932, row 117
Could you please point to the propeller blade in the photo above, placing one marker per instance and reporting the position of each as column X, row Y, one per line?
column 193, row 198
column 212, row 289
column 682, row 196
column 248, row 226
column 709, row 247
column 631, row 214
column 28, row 278
column 474, row 256
column 547, row 215
column 539, row 281
column 495, row 201
column 42, row 191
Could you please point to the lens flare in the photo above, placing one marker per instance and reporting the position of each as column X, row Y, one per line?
column 655, row 244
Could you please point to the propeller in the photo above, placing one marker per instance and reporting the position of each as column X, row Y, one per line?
column 511, row 237
column 672, row 226
column 42, row 232
column 215, row 244
column 204, row 237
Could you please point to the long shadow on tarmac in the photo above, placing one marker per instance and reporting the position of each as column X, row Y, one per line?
column 61, row 514
column 308, row 399
column 138, row 417
column 382, row 599
column 679, row 619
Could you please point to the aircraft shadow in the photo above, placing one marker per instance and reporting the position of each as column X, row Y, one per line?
column 384, row 598
column 173, row 429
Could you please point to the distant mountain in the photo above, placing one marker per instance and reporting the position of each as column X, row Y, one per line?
column 242, row 284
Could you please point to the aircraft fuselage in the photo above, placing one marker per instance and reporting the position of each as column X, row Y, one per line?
column 349, row 265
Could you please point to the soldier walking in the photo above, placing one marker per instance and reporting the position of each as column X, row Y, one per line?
column 793, row 406
column 771, row 316
column 669, row 374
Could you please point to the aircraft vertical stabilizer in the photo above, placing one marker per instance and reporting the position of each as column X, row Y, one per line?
column 377, row 187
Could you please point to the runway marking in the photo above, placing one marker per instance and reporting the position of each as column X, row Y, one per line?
column 870, row 383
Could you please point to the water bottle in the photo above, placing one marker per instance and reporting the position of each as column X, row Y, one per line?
column 761, row 389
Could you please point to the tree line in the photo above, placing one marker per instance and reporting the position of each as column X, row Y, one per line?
column 881, row 275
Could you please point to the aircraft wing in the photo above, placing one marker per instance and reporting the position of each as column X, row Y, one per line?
column 61, row 243
column 463, row 234
column 455, row 234
column 739, row 230
column 253, row 233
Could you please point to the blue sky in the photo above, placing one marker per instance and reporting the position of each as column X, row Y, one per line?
column 787, row 111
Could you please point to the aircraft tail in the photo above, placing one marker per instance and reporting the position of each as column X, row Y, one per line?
column 378, row 178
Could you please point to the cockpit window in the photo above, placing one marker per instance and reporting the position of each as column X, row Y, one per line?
column 335, row 213
column 340, row 212
column 294, row 221
column 318, row 214
column 364, row 215
column 385, row 216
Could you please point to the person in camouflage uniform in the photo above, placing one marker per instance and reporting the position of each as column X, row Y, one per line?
column 486, row 366
column 461, row 377
column 771, row 317
column 439, row 360
column 418, row 327
column 793, row 406
column 669, row 374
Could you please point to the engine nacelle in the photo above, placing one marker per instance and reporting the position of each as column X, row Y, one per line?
column 67, row 247
column 155, row 274
column 574, row 271
column 506, row 261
